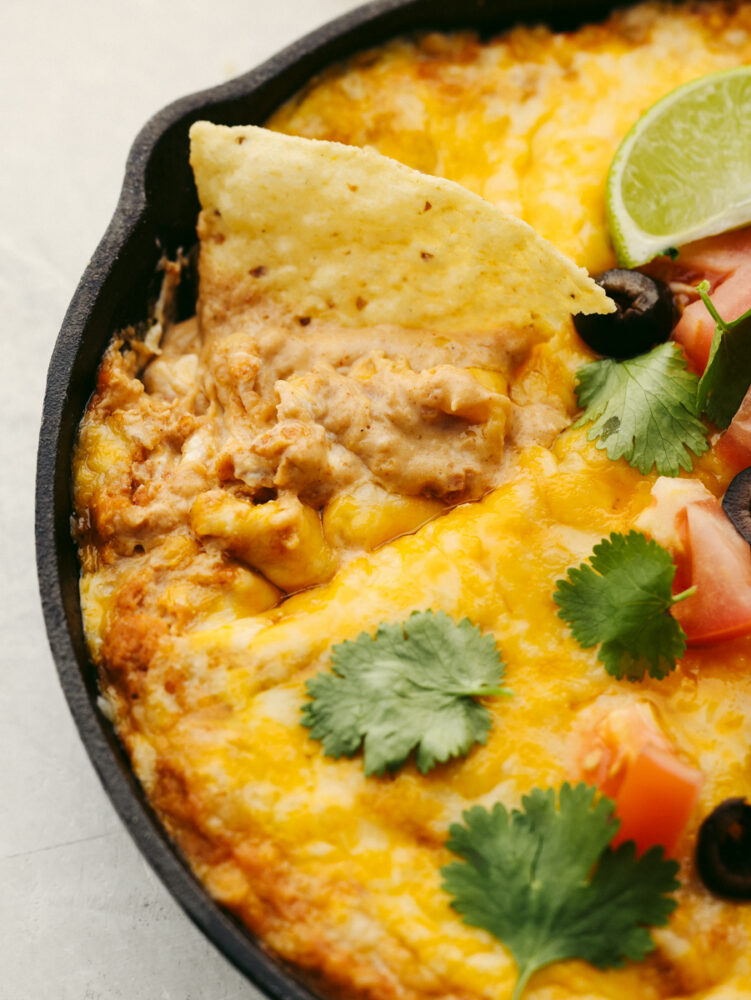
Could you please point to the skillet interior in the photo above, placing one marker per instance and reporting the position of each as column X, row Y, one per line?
column 157, row 212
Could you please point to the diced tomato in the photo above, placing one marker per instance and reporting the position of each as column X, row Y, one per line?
column 735, row 444
column 607, row 749
column 627, row 755
column 718, row 563
column 725, row 261
column 655, row 800
column 719, row 255
column 733, row 452
column 660, row 519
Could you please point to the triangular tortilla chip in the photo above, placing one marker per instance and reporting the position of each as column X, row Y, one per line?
column 318, row 230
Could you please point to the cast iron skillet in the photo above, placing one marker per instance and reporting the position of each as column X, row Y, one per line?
column 157, row 212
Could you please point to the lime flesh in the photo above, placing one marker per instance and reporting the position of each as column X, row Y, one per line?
column 684, row 169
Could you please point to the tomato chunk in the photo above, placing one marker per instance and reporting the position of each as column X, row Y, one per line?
column 628, row 756
column 655, row 800
column 718, row 563
column 735, row 444
column 725, row 261
column 607, row 749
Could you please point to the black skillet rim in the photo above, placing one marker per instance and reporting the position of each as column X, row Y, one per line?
column 97, row 309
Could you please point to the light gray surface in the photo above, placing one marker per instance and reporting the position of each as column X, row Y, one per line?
column 81, row 915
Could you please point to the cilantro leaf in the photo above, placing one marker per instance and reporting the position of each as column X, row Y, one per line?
column 727, row 377
column 622, row 599
column 643, row 410
column 530, row 879
column 412, row 686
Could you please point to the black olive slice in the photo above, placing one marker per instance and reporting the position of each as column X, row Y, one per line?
column 737, row 503
column 723, row 850
column 643, row 316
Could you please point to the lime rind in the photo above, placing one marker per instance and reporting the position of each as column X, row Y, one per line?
column 685, row 167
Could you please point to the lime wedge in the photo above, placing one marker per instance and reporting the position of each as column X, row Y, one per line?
column 684, row 169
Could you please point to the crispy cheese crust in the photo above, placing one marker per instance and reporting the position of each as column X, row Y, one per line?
column 203, row 667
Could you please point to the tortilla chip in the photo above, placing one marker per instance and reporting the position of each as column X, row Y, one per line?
column 318, row 230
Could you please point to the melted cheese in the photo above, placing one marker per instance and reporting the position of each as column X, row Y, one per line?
column 529, row 120
column 336, row 872
column 359, row 856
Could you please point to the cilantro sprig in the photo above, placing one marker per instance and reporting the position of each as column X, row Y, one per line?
column 622, row 598
column 412, row 686
column 727, row 377
column 643, row 410
column 546, row 884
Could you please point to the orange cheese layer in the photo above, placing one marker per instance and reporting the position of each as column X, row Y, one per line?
column 341, row 873
column 334, row 871
column 529, row 120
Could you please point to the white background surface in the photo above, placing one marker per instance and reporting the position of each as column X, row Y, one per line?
column 82, row 917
